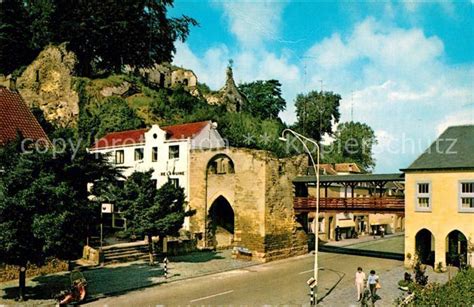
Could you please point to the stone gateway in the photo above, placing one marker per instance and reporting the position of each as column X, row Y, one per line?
column 244, row 199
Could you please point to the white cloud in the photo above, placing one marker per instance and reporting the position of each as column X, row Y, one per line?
column 413, row 6
column 463, row 117
column 248, row 66
column 253, row 22
column 399, row 78
column 209, row 68
column 397, row 81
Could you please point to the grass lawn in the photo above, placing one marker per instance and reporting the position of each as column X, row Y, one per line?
column 393, row 245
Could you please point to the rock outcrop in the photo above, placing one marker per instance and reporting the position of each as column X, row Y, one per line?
column 47, row 83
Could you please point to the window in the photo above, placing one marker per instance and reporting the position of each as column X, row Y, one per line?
column 138, row 154
column 423, row 196
column 174, row 152
column 466, row 196
column 174, row 182
column 119, row 157
column 154, row 154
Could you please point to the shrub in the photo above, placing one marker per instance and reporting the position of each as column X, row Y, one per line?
column 458, row 292
column 420, row 277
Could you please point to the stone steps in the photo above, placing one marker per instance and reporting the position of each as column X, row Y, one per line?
column 126, row 253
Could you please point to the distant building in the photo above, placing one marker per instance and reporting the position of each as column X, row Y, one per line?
column 439, row 201
column 350, row 222
column 16, row 119
column 165, row 150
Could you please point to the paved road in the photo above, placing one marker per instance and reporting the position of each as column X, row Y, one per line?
column 281, row 282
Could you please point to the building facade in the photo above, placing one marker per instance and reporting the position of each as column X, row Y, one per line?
column 165, row 150
column 439, row 200
column 352, row 222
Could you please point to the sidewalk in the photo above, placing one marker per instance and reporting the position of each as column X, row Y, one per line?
column 362, row 239
column 122, row 278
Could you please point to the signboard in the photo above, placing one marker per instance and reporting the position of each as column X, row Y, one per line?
column 311, row 282
column 107, row 208
column 172, row 173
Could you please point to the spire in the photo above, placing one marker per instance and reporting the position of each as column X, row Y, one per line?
column 230, row 75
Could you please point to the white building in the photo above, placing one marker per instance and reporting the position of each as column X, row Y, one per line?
column 165, row 150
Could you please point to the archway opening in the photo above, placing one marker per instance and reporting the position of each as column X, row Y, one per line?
column 221, row 217
column 424, row 245
column 220, row 164
column 456, row 252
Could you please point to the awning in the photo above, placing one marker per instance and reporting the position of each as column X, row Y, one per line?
column 345, row 223
column 312, row 214
column 382, row 221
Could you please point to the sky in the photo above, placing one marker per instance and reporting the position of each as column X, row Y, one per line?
column 405, row 68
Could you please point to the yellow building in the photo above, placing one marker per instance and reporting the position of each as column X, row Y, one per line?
column 439, row 201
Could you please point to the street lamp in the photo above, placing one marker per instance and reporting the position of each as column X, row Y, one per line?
column 302, row 139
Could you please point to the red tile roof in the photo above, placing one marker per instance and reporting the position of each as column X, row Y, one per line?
column 184, row 131
column 347, row 167
column 122, row 138
column 132, row 137
column 327, row 169
column 16, row 116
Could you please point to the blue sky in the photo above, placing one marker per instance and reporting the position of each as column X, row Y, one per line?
column 406, row 68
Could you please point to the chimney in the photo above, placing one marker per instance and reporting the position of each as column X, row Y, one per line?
column 13, row 84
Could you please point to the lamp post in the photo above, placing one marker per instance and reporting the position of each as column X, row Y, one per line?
column 303, row 141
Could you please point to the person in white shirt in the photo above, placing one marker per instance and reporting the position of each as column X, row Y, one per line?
column 359, row 282
column 372, row 281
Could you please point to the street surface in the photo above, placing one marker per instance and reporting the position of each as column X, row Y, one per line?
column 275, row 283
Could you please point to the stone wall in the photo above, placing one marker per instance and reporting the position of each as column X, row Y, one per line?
column 284, row 236
column 260, row 192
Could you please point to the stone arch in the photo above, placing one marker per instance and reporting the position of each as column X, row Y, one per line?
column 220, row 164
column 424, row 246
column 221, row 223
column 456, row 248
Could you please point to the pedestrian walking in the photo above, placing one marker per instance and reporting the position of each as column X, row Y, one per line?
column 373, row 283
column 382, row 231
column 375, row 232
column 359, row 282
column 338, row 233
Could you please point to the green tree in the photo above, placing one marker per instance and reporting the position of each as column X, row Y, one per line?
column 175, row 105
column 150, row 211
column 14, row 36
column 105, row 35
column 264, row 98
column 353, row 142
column 316, row 112
column 44, row 205
column 108, row 115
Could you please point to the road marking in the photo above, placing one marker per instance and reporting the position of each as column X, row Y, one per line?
column 210, row 296
column 305, row 272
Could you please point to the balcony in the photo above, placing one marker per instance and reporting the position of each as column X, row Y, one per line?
column 366, row 204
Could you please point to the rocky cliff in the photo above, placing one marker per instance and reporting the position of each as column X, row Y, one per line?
column 47, row 83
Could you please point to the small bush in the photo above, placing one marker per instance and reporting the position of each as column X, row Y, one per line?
column 457, row 292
